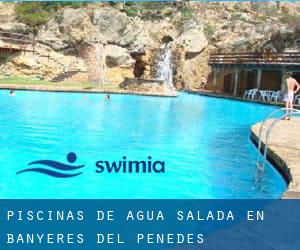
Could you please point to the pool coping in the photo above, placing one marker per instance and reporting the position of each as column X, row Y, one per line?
column 74, row 89
column 230, row 97
column 281, row 162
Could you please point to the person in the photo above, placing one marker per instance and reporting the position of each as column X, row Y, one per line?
column 107, row 97
column 292, row 88
column 11, row 93
column 203, row 83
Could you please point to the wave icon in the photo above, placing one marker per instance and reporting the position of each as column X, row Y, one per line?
column 57, row 169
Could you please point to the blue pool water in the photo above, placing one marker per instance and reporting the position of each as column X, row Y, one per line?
column 204, row 142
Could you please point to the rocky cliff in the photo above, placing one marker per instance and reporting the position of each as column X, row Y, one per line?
column 130, row 41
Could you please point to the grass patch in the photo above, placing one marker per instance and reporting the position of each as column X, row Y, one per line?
column 35, row 82
column 21, row 80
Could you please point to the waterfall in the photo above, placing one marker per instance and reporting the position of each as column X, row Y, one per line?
column 165, row 71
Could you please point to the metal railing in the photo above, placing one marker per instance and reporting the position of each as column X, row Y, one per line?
column 11, row 42
column 260, row 166
column 17, row 41
column 255, row 58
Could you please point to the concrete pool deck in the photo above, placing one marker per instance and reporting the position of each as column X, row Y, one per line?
column 284, row 151
column 80, row 89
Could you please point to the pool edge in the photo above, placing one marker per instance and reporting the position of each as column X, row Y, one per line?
column 233, row 98
column 281, row 164
column 61, row 89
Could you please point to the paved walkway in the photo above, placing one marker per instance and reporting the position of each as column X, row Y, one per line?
column 284, row 151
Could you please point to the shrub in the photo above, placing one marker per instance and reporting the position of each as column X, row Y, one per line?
column 284, row 10
column 208, row 31
column 32, row 14
column 187, row 13
column 38, row 13
column 290, row 19
column 132, row 12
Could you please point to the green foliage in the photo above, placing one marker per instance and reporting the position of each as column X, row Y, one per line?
column 284, row 10
column 21, row 80
column 225, row 27
column 37, row 82
column 54, row 6
column 237, row 7
column 32, row 14
column 187, row 13
column 132, row 12
column 208, row 31
column 148, row 10
column 263, row 18
column 240, row 8
column 38, row 13
column 290, row 19
column 246, row 20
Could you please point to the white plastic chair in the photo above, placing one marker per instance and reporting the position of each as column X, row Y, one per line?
column 275, row 96
column 250, row 94
column 263, row 95
column 253, row 94
column 246, row 94
column 297, row 99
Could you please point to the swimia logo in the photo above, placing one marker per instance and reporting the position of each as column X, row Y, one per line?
column 61, row 170
column 55, row 168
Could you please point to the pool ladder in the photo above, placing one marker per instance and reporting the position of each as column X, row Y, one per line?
column 260, row 164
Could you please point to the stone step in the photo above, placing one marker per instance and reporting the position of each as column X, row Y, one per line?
column 65, row 75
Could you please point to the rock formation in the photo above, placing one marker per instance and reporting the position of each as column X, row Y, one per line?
column 131, row 41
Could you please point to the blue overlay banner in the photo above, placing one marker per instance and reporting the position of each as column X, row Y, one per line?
column 149, row 224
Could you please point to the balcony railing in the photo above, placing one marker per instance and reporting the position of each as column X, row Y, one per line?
column 256, row 58
column 16, row 41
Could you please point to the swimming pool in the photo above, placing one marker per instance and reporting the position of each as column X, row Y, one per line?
column 204, row 142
